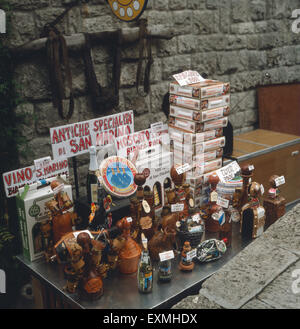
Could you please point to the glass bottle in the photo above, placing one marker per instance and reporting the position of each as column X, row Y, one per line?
column 165, row 270
column 145, row 270
column 92, row 177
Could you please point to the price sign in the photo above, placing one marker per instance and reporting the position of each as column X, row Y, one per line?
column 129, row 219
column 182, row 169
column 191, row 254
column 228, row 172
column 177, row 207
column 163, row 256
column 279, row 181
column 222, row 202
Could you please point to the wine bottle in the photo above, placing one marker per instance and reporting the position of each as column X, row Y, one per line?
column 92, row 177
column 145, row 269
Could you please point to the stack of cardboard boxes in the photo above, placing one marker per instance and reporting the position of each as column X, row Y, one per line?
column 198, row 114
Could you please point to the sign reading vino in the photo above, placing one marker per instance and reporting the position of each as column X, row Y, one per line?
column 14, row 180
column 76, row 138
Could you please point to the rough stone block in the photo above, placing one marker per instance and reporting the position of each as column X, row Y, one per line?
column 212, row 4
column 232, row 61
column 128, row 74
column 177, row 4
column 167, row 47
column 196, row 302
column 257, row 60
column 240, row 11
column 243, row 28
column 161, row 4
column 159, row 17
column 187, row 43
column 244, row 276
column 26, row 129
column 99, row 24
column 258, row 10
column 285, row 233
column 175, row 64
column 143, row 121
column 205, row 21
column 251, row 117
column 279, row 293
column 233, row 42
column 29, row 4
column 157, row 94
column 135, row 102
column 182, row 20
column 205, row 63
column 237, row 119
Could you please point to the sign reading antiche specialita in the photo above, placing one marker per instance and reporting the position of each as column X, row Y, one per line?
column 76, row 138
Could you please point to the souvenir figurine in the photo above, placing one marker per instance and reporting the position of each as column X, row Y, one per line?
column 274, row 204
column 130, row 253
column 212, row 220
column 226, row 228
column 186, row 264
column 140, row 180
column 253, row 215
column 243, row 194
column 145, row 270
column 210, row 250
column 162, row 240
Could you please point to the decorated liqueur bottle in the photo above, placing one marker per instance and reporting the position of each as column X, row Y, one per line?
column 92, row 177
column 145, row 269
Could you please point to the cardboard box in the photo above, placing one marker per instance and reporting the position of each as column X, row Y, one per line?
column 214, row 144
column 196, row 127
column 205, row 89
column 31, row 212
column 189, row 138
column 199, row 116
column 202, row 157
column 200, row 105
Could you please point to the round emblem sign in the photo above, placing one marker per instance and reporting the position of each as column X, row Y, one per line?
column 128, row 10
column 117, row 176
column 34, row 210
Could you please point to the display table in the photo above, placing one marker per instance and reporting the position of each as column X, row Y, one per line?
column 120, row 291
column 271, row 153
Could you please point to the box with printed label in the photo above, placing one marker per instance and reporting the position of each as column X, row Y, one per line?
column 31, row 213
column 189, row 138
column 202, row 157
column 199, row 116
column 205, row 89
column 200, row 105
column 196, row 127
column 199, row 168
column 214, row 144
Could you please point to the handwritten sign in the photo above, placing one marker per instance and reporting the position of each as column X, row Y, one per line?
column 163, row 256
column 188, row 77
column 228, row 172
column 14, row 180
column 76, row 138
column 279, row 181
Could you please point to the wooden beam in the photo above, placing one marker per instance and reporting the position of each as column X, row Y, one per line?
column 75, row 42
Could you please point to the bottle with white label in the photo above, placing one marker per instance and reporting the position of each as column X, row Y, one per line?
column 92, row 177
column 145, row 270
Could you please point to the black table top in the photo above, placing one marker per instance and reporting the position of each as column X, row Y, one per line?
column 121, row 292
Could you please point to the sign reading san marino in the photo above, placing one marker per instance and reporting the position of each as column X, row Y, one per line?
column 2, row 21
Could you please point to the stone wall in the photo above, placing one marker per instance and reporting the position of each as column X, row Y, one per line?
column 246, row 42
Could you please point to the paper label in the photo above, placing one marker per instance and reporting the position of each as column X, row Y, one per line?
column 182, row 169
column 213, row 196
column 251, row 167
column 279, row 181
column 228, row 172
column 222, row 202
column 196, row 218
column 260, row 212
column 129, row 219
column 177, row 207
column 163, row 256
column 191, row 254
column 188, row 77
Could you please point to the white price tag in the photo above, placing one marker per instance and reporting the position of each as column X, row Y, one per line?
column 58, row 189
column 191, row 254
column 251, row 167
column 177, row 207
column 279, row 181
column 224, row 203
column 83, row 231
column 228, row 172
column 144, row 240
column 163, row 256
column 196, row 218
column 213, row 196
column 129, row 219
column 182, row 169
column 262, row 190
column 260, row 212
